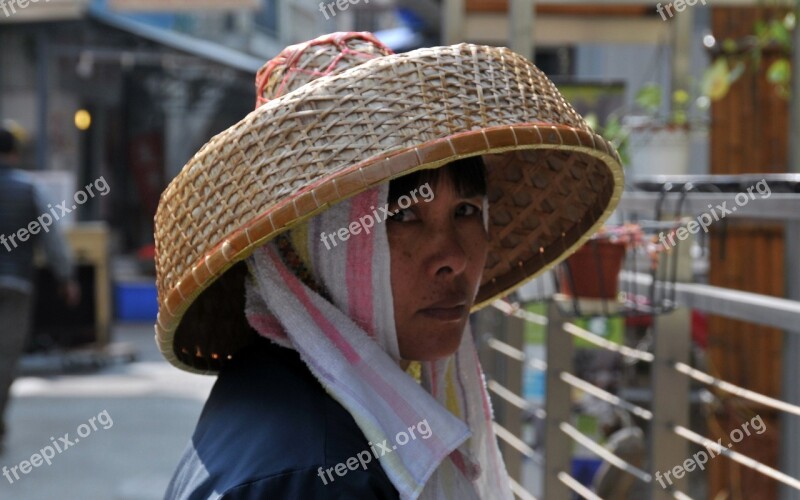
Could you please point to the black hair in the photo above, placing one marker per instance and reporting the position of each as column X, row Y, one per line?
column 8, row 143
column 468, row 176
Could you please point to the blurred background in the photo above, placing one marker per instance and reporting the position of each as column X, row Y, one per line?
column 682, row 343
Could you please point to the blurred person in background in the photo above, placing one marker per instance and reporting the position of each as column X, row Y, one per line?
column 20, row 206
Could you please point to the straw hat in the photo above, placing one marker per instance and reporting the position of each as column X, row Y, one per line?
column 341, row 114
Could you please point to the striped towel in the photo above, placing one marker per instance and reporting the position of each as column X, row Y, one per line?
column 350, row 345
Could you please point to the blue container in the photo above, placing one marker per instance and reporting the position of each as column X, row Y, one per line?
column 584, row 469
column 136, row 301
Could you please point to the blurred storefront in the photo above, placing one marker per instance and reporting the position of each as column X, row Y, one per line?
column 105, row 95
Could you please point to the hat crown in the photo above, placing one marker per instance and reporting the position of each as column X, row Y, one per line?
column 302, row 63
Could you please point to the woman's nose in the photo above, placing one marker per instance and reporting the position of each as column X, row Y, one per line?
column 447, row 255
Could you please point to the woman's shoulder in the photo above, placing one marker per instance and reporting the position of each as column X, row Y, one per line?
column 266, row 400
column 314, row 484
column 268, row 423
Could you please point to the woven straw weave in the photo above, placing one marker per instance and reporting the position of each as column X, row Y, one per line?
column 302, row 63
column 550, row 178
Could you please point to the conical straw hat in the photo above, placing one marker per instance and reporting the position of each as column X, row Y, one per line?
column 341, row 114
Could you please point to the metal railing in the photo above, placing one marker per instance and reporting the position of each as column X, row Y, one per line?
column 667, row 418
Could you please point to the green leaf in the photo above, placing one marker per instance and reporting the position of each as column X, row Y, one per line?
column 761, row 29
column 779, row 72
column 680, row 117
column 613, row 130
column 649, row 97
column 680, row 97
column 729, row 45
column 780, row 34
column 716, row 80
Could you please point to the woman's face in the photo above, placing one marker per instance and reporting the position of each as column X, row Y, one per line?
column 438, row 250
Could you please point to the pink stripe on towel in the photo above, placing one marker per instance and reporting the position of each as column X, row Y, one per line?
column 359, row 285
column 325, row 325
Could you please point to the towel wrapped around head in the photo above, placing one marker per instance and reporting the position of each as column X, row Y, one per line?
column 333, row 304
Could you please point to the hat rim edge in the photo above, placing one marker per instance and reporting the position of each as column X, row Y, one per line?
column 240, row 243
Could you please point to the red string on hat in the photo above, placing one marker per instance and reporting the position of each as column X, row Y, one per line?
column 289, row 57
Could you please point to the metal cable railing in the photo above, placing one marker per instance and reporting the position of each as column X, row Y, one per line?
column 514, row 353
column 517, row 443
column 514, row 399
column 741, row 392
column 518, row 312
column 738, row 457
column 604, row 395
column 603, row 453
column 680, row 495
column 517, row 401
column 520, row 492
column 575, row 485
column 667, row 359
column 571, row 380
column 599, row 341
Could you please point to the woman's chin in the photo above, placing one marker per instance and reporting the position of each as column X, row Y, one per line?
column 434, row 345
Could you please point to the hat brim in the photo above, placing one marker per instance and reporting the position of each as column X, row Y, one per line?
column 552, row 181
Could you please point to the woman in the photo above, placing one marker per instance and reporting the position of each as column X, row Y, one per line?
column 324, row 253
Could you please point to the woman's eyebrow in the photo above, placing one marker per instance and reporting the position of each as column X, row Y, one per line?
column 472, row 197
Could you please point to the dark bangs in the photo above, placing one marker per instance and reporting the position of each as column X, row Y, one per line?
column 468, row 176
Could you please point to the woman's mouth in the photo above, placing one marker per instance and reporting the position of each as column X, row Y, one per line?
column 445, row 313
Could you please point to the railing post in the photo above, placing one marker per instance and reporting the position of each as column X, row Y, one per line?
column 490, row 322
column 558, row 447
column 790, row 369
column 790, row 391
column 670, row 402
column 521, row 14
column 453, row 21
column 515, row 337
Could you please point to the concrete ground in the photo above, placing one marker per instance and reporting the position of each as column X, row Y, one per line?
column 143, row 414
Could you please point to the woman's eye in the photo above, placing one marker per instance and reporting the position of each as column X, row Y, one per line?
column 467, row 209
column 402, row 215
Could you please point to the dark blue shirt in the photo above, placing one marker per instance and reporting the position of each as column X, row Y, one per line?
column 270, row 431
